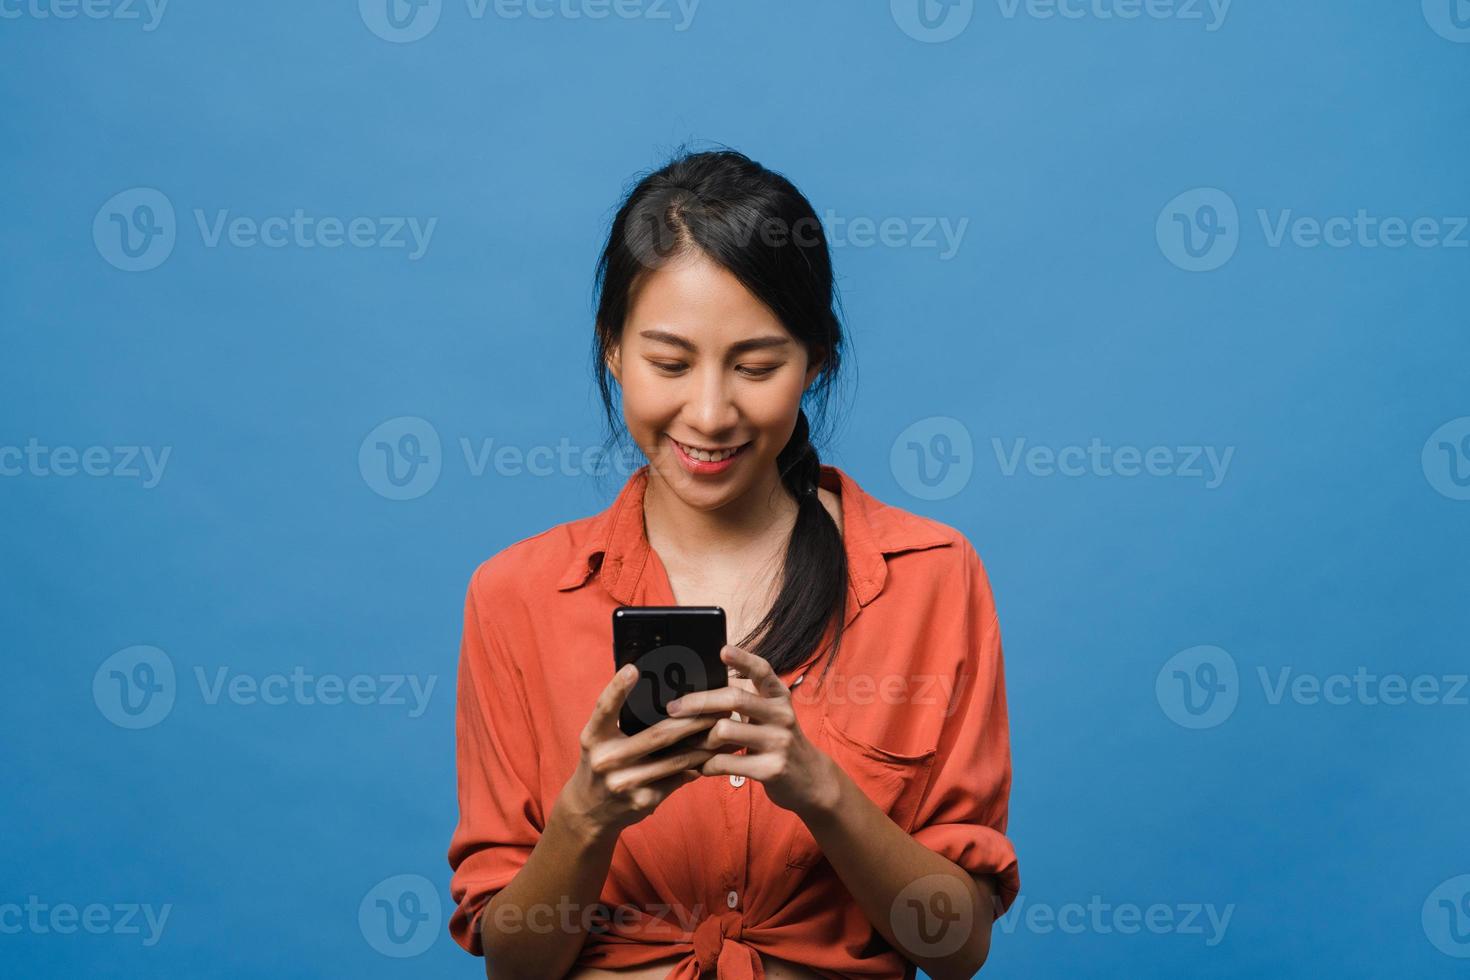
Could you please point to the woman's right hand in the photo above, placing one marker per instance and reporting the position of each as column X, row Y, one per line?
column 616, row 784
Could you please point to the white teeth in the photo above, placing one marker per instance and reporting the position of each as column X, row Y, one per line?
column 707, row 457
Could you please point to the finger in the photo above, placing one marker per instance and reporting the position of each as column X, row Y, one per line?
column 666, row 786
column 627, row 750
column 604, row 718
column 758, row 669
column 726, row 764
column 726, row 700
column 699, row 740
column 734, row 735
column 646, row 773
column 707, row 743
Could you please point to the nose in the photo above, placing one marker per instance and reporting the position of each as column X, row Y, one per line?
column 710, row 410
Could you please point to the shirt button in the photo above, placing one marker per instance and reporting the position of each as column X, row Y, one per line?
column 798, row 680
column 732, row 899
column 737, row 780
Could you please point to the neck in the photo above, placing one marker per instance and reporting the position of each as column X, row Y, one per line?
column 750, row 522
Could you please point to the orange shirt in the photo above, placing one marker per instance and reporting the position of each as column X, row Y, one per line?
column 913, row 710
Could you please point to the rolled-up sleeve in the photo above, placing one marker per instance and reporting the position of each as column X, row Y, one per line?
column 963, row 812
column 500, row 818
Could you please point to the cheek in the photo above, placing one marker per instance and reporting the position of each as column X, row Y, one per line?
column 646, row 404
column 774, row 405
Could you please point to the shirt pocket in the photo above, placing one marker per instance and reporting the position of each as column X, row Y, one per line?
column 894, row 781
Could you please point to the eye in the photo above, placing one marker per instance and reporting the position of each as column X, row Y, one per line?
column 758, row 372
column 668, row 367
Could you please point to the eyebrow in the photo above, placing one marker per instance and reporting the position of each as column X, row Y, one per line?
column 754, row 343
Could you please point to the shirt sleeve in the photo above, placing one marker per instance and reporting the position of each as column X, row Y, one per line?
column 500, row 814
column 963, row 813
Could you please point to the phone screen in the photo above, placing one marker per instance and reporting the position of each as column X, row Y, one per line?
column 677, row 650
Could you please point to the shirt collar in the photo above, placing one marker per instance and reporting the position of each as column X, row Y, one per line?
column 616, row 547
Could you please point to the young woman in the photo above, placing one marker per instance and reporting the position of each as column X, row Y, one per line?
column 847, row 821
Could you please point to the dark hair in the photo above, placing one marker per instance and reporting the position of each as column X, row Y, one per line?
column 758, row 226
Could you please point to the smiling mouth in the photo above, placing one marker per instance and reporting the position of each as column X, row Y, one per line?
column 708, row 455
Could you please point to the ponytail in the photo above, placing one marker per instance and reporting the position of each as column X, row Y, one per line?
column 814, row 581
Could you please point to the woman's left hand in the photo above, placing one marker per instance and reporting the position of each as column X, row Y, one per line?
column 797, row 775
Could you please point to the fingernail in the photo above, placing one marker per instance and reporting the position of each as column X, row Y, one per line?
column 673, row 706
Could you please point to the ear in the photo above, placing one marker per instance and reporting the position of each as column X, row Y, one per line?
column 814, row 367
column 614, row 362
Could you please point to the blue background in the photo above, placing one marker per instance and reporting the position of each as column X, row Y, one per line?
column 266, row 546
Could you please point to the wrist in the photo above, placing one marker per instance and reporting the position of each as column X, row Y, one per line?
column 579, row 825
column 829, row 795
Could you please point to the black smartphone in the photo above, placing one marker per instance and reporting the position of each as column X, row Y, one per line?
column 677, row 650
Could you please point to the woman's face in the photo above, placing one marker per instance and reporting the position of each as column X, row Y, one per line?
column 703, row 364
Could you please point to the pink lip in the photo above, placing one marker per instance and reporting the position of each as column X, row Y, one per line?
column 700, row 467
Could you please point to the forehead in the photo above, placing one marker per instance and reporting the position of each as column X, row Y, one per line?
column 701, row 300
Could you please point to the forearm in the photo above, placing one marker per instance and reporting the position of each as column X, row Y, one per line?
column 877, row 861
column 536, row 925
